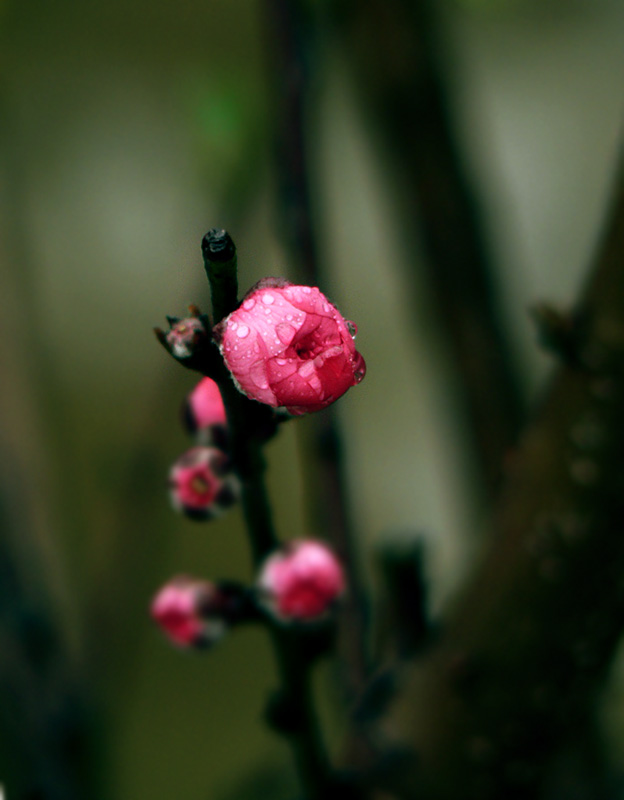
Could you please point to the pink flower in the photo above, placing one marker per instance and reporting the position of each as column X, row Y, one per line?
column 200, row 484
column 302, row 581
column 187, row 610
column 287, row 345
column 205, row 413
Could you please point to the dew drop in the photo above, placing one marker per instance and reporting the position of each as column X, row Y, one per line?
column 249, row 304
column 359, row 369
column 234, row 326
column 289, row 317
column 352, row 328
column 306, row 290
column 281, row 362
column 268, row 299
column 242, row 331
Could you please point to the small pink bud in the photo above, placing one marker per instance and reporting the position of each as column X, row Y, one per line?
column 204, row 412
column 189, row 612
column 188, row 340
column 301, row 582
column 287, row 345
column 201, row 485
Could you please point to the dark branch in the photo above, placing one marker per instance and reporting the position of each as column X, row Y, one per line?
column 394, row 53
column 515, row 673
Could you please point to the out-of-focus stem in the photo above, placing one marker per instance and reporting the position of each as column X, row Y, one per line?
column 395, row 55
column 290, row 33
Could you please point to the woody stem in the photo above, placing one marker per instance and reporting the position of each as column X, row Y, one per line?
column 247, row 424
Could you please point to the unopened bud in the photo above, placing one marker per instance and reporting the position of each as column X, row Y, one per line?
column 192, row 612
column 188, row 340
column 301, row 582
column 201, row 483
column 288, row 346
column 204, row 413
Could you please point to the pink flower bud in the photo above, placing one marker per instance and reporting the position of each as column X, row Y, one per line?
column 301, row 582
column 189, row 612
column 204, row 412
column 200, row 484
column 287, row 345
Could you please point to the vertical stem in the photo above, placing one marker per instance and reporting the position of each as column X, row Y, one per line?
column 289, row 32
column 304, row 733
column 220, row 261
column 245, row 419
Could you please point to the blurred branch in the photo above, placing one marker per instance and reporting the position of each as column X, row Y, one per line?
column 393, row 48
column 406, row 626
column 46, row 723
column 514, row 675
column 290, row 37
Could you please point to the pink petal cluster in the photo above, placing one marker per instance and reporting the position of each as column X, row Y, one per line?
column 200, row 484
column 182, row 610
column 287, row 345
column 301, row 582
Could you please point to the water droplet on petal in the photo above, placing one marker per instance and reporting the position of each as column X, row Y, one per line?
column 249, row 304
column 359, row 368
column 281, row 362
column 234, row 325
column 351, row 327
column 242, row 332
column 289, row 317
column 268, row 299
column 306, row 289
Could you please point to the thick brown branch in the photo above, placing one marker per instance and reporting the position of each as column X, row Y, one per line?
column 515, row 673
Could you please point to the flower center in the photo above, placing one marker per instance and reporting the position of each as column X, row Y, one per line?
column 200, row 485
